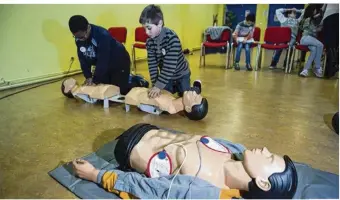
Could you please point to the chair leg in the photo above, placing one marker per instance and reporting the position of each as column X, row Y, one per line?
column 288, row 60
column 227, row 57
column 231, row 56
column 292, row 60
column 260, row 60
column 201, row 54
column 134, row 59
column 204, row 56
column 233, row 52
column 257, row 57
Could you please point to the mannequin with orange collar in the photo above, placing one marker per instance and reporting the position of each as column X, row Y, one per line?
column 145, row 149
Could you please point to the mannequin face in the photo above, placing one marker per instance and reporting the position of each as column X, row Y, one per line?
column 153, row 30
column 69, row 84
column 261, row 164
column 190, row 99
column 258, row 163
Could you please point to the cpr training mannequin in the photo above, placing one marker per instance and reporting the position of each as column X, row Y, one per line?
column 192, row 103
column 158, row 153
column 90, row 94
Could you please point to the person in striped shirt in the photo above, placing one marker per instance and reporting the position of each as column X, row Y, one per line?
column 168, row 68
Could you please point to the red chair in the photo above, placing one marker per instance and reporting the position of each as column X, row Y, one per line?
column 256, row 36
column 304, row 48
column 118, row 33
column 140, row 43
column 222, row 42
column 275, row 38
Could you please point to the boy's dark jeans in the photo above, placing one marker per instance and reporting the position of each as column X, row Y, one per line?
column 179, row 85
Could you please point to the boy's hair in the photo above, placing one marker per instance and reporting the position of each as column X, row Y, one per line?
column 78, row 23
column 289, row 12
column 151, row 14
column 250, row 17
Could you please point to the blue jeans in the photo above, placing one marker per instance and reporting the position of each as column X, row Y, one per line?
column 316, row 49
column 246, row 46
column 179, row 85
column 277, row 54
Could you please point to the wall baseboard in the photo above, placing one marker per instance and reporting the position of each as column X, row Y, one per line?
column 38, row 79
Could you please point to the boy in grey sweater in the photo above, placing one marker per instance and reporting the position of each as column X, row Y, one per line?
column 287, row 18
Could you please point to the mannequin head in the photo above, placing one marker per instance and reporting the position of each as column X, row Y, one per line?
column 260, row 174
column 195, row 107
column 127, row 141
column 67, row 86
column 279, row 180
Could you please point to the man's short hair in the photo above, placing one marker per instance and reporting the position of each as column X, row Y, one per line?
column 151, row 14
column 78, row 23
column 251, row 17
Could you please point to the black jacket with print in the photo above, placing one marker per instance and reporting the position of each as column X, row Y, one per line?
column 103, row 51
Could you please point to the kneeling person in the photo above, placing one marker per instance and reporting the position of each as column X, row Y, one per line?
column 95, row 46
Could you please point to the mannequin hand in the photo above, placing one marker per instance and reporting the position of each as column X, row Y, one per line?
column 85, row 170
column 88, row 82
column 154, row 92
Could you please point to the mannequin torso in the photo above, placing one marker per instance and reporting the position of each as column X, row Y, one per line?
column 166, row 101
column 205, row 159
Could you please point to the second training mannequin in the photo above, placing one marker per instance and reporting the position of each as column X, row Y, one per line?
column 192, row 103
column 145, row 149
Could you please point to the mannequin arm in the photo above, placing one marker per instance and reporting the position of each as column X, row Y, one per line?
column 135, row 185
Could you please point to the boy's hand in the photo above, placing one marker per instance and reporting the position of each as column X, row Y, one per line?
column 154, row 92
column 89, row 82
column 244, row 41
column 85, row 170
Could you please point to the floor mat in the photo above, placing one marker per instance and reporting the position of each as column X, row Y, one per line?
column 313, row 183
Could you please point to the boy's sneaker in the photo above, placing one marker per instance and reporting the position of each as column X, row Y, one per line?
column 304, row 73
column 318, row 72
column 198, row 84
column 249, row 68
column 237, row 66
column 272, row 65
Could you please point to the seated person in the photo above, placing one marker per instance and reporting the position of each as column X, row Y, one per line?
column 149, row 157
column 243, row 35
